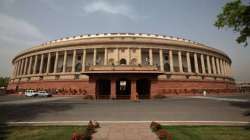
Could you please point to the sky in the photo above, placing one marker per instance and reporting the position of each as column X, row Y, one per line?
column 26, row 23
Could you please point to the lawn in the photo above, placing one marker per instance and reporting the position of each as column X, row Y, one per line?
column 39, row 132
column 208, row 132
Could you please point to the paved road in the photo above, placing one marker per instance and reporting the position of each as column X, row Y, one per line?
column 170, row 109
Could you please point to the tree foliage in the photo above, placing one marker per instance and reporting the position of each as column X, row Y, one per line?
column 236, row 15
column 4, row 81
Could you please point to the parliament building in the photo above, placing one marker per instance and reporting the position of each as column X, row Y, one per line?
column 123, row 66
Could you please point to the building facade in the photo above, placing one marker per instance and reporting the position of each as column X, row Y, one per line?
column 123, row 65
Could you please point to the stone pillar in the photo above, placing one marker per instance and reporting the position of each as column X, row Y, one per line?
column 229, row 69
column 117, row 57
column 171, row 61
column 203, row 64
column 188, row 62
column 213, row 64
column 25, row 66
column 218, row 66
column 180, row 61
column 65, row 61
column 94, row 57
column 35, row 65
column 150, row 57
column 48, row 63
column 208, row 65
column 196, row 63
column 73, row 61
column 129, row 56
column 105, row 56
column 83, row 59
column 226, row 69
column 222, row 68
column 133, row 90
column 139, row 55
column 56, row 61
column 161, row 60
column 41, row 64
column 22, row 65
column 30, row 63
column 113, row 89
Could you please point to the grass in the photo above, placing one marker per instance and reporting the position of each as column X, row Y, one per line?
column 41, row 132
column 208, row 132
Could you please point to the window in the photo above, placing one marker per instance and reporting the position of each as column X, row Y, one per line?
column 78, row 67
column 79, row 57
column 123, row 61
column 133, row 61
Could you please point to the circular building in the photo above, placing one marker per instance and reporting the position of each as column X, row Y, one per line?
column 123, row 66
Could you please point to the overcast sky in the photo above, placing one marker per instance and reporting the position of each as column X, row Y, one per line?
column 25, row 23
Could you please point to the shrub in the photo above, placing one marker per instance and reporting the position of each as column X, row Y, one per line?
column 155, row 126
column 88, row 133
column 163, row 134
column 76, row 136
column 159, row 96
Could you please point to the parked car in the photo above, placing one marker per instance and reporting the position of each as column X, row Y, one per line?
column 44, row 94
column 30, row 93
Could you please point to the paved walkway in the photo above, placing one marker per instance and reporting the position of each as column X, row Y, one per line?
column 121, row 131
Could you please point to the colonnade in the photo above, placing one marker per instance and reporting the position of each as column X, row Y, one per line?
column 204, row 64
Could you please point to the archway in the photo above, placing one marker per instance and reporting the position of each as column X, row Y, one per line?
column 123, row 61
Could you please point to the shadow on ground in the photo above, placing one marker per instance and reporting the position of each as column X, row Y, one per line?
column 25, row 113
column 243, row 105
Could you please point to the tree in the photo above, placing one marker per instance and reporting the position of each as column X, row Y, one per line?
column 4, row 81
column 236, row 15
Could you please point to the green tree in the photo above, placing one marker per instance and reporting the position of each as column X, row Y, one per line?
column 236, row 15
column 4, row 81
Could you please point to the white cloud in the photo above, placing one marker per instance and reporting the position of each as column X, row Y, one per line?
column 18, row 29
column 104, row 6
column 15, row 35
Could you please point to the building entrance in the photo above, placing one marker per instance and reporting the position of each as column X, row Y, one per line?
column 103, row 89
column 123, row 89
column 143, row 88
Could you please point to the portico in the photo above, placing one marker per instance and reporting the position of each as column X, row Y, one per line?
column 123, row 86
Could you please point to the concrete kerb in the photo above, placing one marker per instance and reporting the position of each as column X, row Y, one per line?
column 80, row 123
